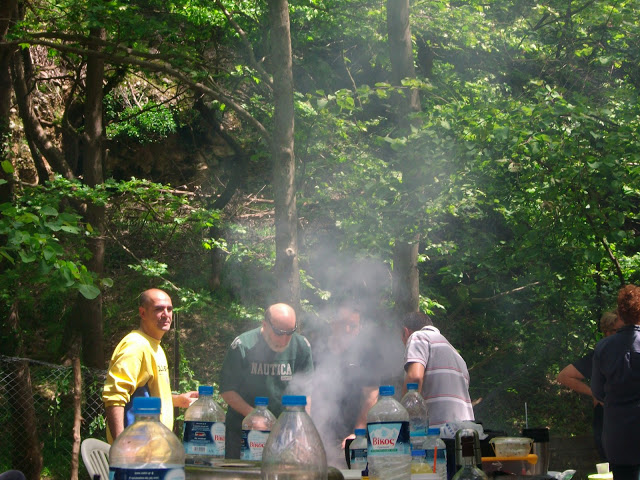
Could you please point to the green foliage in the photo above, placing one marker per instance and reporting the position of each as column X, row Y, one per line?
column 149, row 123
column 44, row 245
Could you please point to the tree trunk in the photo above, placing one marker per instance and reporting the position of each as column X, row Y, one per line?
column 91, row 310
column 77, row 417
column 26, row 454
column 284, row 169
column 405, row 279
column 33, row 129
column 406, row 291
column 7, row 13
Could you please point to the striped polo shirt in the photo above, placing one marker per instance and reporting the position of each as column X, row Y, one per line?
column 445, row 386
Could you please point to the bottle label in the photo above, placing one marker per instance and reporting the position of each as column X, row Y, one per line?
column 440, row 455
column 116, row 473
column 358, row 457
column 253, row 442
column 388, row 438
column 204, row 438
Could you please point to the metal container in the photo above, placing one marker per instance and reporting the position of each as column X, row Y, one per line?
column 540, row 438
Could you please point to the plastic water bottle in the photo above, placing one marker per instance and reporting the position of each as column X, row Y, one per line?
column 255, row 430
column 294, row 449
column 419, row 465
column 436, row 453
column 204, row 429
column 358, row 450
column 418, row 419
column 146, row 449
column 388, row 446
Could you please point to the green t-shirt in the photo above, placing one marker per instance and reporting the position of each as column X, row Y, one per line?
column 252, row 370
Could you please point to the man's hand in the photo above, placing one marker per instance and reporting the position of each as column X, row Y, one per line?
column 344, row 442
column 184, row 400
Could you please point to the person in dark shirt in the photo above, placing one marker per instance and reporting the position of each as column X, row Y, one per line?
column 615, row 381
column 269, row 361
column 345, row 382
column 574, row 375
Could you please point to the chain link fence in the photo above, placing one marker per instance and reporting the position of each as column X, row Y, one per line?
column 36, row 407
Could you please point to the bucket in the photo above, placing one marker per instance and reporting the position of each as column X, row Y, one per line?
column 540, row 438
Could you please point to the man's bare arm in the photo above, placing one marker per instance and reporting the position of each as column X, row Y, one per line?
column 414, row 374
column 570, row 377
column 115, row 420
column 235, row 401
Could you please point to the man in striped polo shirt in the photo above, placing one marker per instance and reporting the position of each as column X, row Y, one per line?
column 438, row 369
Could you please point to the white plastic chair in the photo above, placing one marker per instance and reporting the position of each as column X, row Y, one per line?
column 95, row 455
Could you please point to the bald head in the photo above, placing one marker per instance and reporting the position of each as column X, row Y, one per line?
column 156, row 312
column 278, row 326
column 147, row 297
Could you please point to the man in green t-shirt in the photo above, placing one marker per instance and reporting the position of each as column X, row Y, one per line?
column 268, row 361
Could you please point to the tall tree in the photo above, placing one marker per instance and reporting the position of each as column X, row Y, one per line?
column 406, row 292
column 91, row 309
column 284, row 167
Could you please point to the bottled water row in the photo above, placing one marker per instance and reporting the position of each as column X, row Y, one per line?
column 148, row 450
column 289, row 447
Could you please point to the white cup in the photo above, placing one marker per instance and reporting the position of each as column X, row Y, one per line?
column 602, row 467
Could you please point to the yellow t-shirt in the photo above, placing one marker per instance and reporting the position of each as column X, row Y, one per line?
column 138, row 362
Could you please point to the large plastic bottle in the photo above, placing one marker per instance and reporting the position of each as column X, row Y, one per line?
column 418, row 418
column 255, row 430
column 388, row 446
column 358, row 450
column 436, row 452
column 294, row 449
column 146, row 449
column 204, row 428
column 468, row 456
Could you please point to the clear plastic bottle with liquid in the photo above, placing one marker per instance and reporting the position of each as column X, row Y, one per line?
column 388, row 447
column 256, row 428
column 436, row 453
column 358, row 450
column 418, row 418
column 204, row 429
column 146, row 449
column 294, row 450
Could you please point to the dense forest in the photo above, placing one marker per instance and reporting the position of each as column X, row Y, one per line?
column 479, row 161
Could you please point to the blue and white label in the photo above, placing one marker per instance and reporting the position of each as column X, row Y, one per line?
column 176, row 473
column 358, row 458
column 388, row 438
column 204, row 438
column 253, row 442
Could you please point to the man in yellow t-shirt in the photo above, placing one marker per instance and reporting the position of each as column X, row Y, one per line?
column 138, row 367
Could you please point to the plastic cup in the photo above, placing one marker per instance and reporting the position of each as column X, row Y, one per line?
column 602, row 467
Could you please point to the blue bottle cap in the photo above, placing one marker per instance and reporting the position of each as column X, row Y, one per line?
column 386, row 390
column 261, row 401
column 205, row 390
column 412, row 386
column 360, row 431
column 433, row 431
column 294, row 401
column 146, row 405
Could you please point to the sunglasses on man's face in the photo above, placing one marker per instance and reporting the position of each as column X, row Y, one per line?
column 279, row 332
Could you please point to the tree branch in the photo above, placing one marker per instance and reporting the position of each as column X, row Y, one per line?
column 247, row 45
column 502, row 294
column 157, row 66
